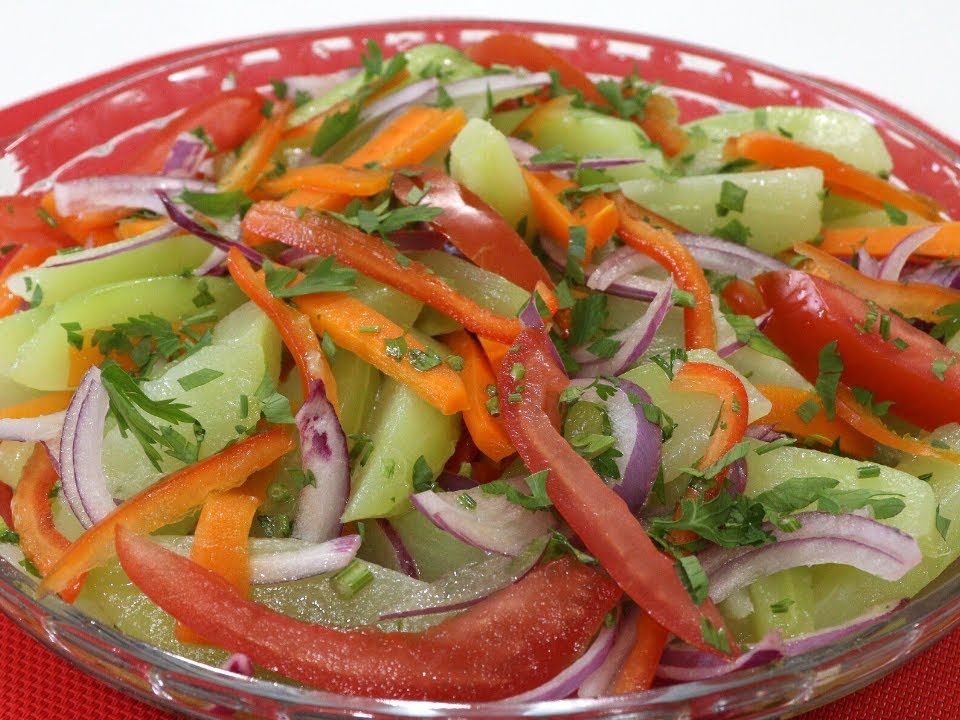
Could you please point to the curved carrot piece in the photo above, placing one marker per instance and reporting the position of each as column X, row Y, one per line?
column 880, row 241
column 786, row 400
column 133, row 227
column 40, row 540
column 486, row 430
column 331, row 178
column 44, row 405
column 81, row 227
column 775, row 150
column 168, row 501
column 253, row 160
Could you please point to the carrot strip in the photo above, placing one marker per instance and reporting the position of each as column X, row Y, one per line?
column 641, row 664
column 309, row 128
column 133, row 227
column 411, row 138
column 80, row 227
column 495, row 351
column 786, row 401
column 343, row 317
column 659, row 122
column 880, row 241
column 596, row 213
column 771, row 149
column 916, row 300
column 355, row 182
column 255, row 156
column 699, row 326
column 486, row 430
column 26, row 256
column 44, row 405
column 863, row 421
column 324, row 235
column 40, row 540
column 168, row 501
column 313, row 199
column 293, row 326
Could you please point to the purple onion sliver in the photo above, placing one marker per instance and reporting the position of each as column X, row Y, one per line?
column 867, row 264
column 87, row 450
column 309, row 561
column 43, row 428
column 639, row 440
column 892, row 265
column 728, row 350
column 822, row 638
column 570, row 165
column 436, row 610
column 105, row 251
column 186, row 156
column 598, row 683
column 763, row 431
column 215, row 239
column 120, row 191
column 685, row 664
column 214, row 263
column 737, row 478
column 530, row 315
column 404, row 560
column 452, row 482
column 521, row 149
column 68, row 481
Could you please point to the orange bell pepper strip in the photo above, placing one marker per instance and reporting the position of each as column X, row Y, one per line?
column 294, row 327
column 596, row 213
column 640, row 667
column 880, row 241
column 331, row 178
column 325, row 235
column 699, row 326
column 22, row 222
column 85, row 226
column 866, row 423
column 221, row 540
column 346, row 319
column 132, row 227
column 916, row 300
column 844, row 179
column 245, row 172
column 168, row 501
column 486, row 430
column 783, row 415
column 659, row 122
column 495, row 351
column 40, row 540
column 44, row 405
column 26, row 256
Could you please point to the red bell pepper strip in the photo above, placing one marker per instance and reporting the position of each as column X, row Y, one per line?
column 640, row 667
column 168, row 501
column 699, row 327
column 6, row 495
column 743, row 298
column 22, row 222
column 325, row 235
column 32, row 517
column 880, row 352
column 227, row 118
column 594, row 511
column 474, row 228
column 514, row 640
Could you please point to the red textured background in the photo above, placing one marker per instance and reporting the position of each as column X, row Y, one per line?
column 35, row 684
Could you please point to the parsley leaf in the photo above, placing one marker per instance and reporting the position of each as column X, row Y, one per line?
column 942, row 523
column 896, row 215
column 536, row 500
column 588, row 314
column 199, row 378
column 274, row 405
column 828, row 377
column 334, row 128
column 422, row 475
column 383, row 221
column 734, row 231
column 940, row 366
column 865, row 398
column 693, row 577
column 750, row 335
column 732, row 197
column 326, row 276
column 221, row 205
column 946, row 329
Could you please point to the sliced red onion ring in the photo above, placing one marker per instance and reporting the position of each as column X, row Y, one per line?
column 304, row 562
column 763, row 432
column 848, row 539
column 34, row 429
column 634, row 339
column 212, row 264
column 567, row 682
column 404, row 96
column 598, row 683
column 120, row 191
column 530, row 315
column 496, row 83
column 492, row 523
column 453, row 482
column 186, row 156
column 728, row 257
column 324, row 454
column 117, row 248
column 81, row 451
column 821, row 638
column 404, row 561
column 570, row 165
column 760, row 321
column 939, row 273
column 521, row 149
column 737, row 477
column 892, row 265
column 867, row 264
column 294, row 257
column 469, row 584
column 682, row 663
column 622, row 261
column 204, row 233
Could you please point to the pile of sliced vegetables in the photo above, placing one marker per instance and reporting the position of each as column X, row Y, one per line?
column 462, row 377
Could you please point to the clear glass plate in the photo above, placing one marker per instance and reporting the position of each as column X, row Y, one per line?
column 99, row 132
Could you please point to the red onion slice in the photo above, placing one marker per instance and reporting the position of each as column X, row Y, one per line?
column 634, row 339
column 42, row 428
column 622, row 261
column 324, row 454
column 193, row 227
column 763, row 432
column 521, row 149
column 867, row 264
column 454, row 482
column 120, row 191
column 497, row 83
column 117, row 248
column 400, row 553
column 186, row 156
column 944, row 274
column 892, row 265
column 821, row 638
column 570, row 165
column 729, row 257
column 598, row 683
column 309, row 561
column 681, row 663
column 823, row 538
column 493, row 523
column 212, row 264
column 418, row 91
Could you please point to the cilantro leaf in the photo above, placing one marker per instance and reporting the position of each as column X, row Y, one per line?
column 221, row 205
column 334, row 128
column 199, row 378
column 326, row 276
column 750, row 335
column 422, row 475
column 693, row 577
column 588, row 314
column 732, row 197
column 274, row 405
column 828, row 377
column 536, row 500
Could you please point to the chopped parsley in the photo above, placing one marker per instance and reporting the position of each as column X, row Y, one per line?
column 352, row 579
column 74, row 337
column 280, row 89
column 940, row 366
column 198, row 378
column 828, row 377
column 896, row 215
column 381, row 220
column 424, row 360
column 273, row 404
column 47, row 217
column 222, row 205
column 588, row 314
column 326, row 276
column 334, row 128
column 536, row 500
column 693, row 577
column 734, row 231
column 732, row 197
column 782, row 606
column 946, row 329
column 422, row 476
column 396, row 348
column 808, row 410
column 942, row 523
column 750, row 335
column 865, row 398
column 455, row 362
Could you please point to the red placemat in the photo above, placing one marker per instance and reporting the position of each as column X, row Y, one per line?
column 35, row 684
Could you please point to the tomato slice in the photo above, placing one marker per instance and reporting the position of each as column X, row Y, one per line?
column 21, row 224
column 595, row 512
column 897, row 364
column 475, row 228
column 743, row 298
column 510, row 642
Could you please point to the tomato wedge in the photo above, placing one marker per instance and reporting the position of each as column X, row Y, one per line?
column 901, row 363
column 474, row 228
column 595, row 512
column 743, row 298
column 21, row 223
column 510, row 642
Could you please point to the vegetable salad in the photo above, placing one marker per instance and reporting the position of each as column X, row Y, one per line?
column 463, row 377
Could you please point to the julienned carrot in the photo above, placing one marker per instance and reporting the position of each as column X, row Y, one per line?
column 332, row 178
column 350, row 325
column 781, row 152
column 26, row 256
column 639, row 668
column 495, row 351
column 486, row 430
column 863, row 421
column 315, row 200
column 168, row 501
column 596, row 213
column 126, row 229
column 256, row 154
column 699, row 326
column 80, row 227
column 294, row 327
column 40, row 540
column 221, row 540
column 660, row 114
column 325, row 235
column 786, row 401
column 44, row 405
column 880, row 241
